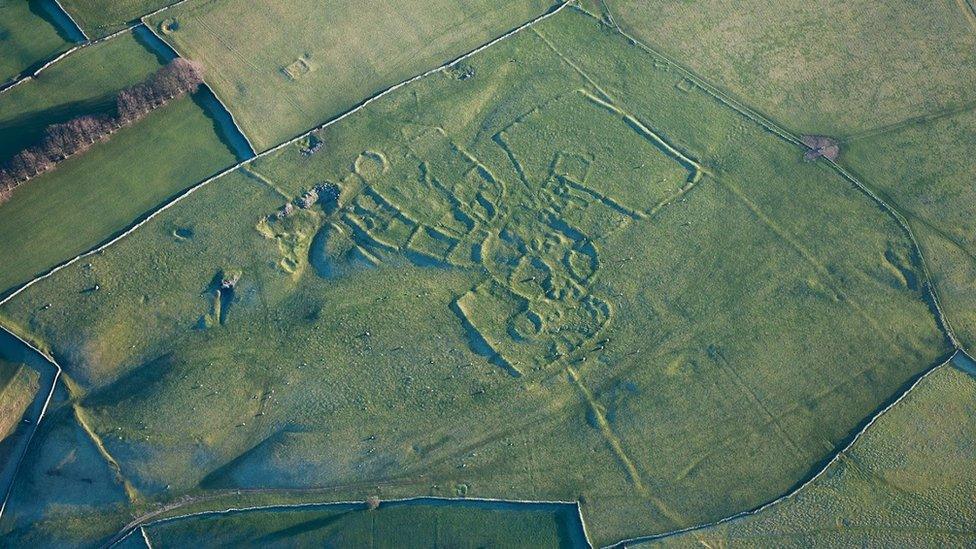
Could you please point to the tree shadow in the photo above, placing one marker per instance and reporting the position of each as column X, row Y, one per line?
column 27, row 129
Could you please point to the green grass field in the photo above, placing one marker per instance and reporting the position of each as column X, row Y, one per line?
column 908, row 482
column 559, row 271
column 285, row 66
column 18, row 384
column 924, row 167
column 389, row 526
column 92, row 196
column 101, row 17
column 26, row 38
column 835, row 67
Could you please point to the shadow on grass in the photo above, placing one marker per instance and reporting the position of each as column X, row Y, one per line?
column 50, row 12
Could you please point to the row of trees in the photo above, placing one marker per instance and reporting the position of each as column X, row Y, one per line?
column 60, row 141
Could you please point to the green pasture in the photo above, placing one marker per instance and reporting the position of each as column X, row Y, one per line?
column 835, row 67
column 925, row 169
column 26, row 37
column 92, row 196
column 283, row 67
column 102, row 17
column 388, row 526
column 907, row 482
column 558, row 271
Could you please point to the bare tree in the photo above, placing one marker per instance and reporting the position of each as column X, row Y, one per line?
column 59, row 141
column 128, row 107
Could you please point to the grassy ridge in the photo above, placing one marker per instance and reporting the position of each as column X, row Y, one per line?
column 558, row 271
column 26, row 38
column 90, row 197
column 907, row 482
column 283, row 67
column 834, row 67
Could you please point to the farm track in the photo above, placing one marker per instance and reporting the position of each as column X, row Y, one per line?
column 911, row 121
column 714, row 92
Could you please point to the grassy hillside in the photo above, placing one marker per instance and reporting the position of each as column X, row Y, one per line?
column 89, row 197
column 559, row 270
column 26, row 38
column 285, row 66
column 835, row 67
column 18, row 384
column 389, row 526
column 908, row 481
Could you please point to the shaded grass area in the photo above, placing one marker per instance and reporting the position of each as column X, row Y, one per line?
column 102, row 17
column 283, row 67
column 831, row 68
column 26, row 37
column 926, row 169
column 391, row 525
column 569, row 276
column 908, row 481
column 92, row 196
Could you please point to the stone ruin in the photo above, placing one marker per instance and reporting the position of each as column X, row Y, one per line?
column 820, row 145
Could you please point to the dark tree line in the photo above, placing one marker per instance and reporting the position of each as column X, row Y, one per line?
column 60, row 141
